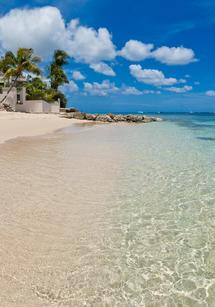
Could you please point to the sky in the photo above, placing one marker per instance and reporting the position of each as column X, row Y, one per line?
column 125, row 56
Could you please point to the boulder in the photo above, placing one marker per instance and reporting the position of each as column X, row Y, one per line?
column 70, row 110
column 119, row 118
column 108, row 118
column 147, row 120
column 79, row 115
column 111, row 115
column 76, row 115
column 90, row 116
column 104, row 118
column 134, row 118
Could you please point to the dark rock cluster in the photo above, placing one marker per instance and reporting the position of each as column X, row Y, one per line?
column 108, row 118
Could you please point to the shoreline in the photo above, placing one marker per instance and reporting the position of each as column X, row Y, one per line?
column 19, row 125
column 15, row 125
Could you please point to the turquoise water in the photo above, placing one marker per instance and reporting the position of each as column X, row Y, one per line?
column 160, row 238
column 112, row 215
column 156, row 242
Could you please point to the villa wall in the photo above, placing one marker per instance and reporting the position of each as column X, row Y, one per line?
column 38, row 106
column 28, row 106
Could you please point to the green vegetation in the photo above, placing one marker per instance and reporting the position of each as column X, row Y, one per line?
column 57, row 75
column 14, row 66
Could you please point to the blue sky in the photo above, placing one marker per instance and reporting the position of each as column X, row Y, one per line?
column 125, row 55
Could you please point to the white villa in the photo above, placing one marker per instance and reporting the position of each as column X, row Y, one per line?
column 17, row 100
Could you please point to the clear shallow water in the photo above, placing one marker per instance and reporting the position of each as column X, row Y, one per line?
column 111, row 215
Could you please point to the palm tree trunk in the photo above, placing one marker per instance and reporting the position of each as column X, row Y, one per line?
column 9, row 90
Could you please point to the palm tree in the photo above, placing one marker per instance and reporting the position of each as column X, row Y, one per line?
column 13, row 66
column 56, row 72
column 35, row 88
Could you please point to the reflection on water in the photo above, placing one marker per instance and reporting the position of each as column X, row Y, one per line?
column 110, row 215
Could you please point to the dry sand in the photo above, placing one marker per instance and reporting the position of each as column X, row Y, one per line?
column 14, row 125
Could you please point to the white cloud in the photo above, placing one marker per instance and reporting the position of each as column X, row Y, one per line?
column 100, row 89
column 88, row 45
column 131, row 90
column 77, row 75
column 44, row 30
column 103, row 68
column 151, row 76
column 71, row 87
column 210, row 93
column 179, row 90
column 136, row 51
column 174, row 55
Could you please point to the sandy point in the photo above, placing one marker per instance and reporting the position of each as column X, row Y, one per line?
column 15, row 124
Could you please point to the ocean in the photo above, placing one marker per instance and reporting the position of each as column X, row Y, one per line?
column 110, row 215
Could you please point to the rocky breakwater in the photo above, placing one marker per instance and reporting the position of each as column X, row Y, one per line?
column 109, row 118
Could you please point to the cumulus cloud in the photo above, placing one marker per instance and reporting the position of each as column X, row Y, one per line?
column 88, row 45
column 131, row 90
column 136, row 51
column 210, row 93
column 103, row 68
column 72, row 87
column 174, row 55
column 44, row 30
column 151, row 76
column 77, row 75
column 100, row 89
column 180, row 90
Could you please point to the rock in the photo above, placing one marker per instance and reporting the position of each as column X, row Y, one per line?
column 90, row 116
column 76, row 115
column 70, row 110
column 111, row 115
column 108, row 118
column 135, row 118
column 104, row 118
column 147, row 120
column 7, row 107
column 119, row 118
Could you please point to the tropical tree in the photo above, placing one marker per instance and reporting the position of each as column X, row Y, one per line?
column 13, row 66
column 35, row 88
column 57, row 74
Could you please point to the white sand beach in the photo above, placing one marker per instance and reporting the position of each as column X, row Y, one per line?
column 14, row 125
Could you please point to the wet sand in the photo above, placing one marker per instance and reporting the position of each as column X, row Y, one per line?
column 53, row 198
